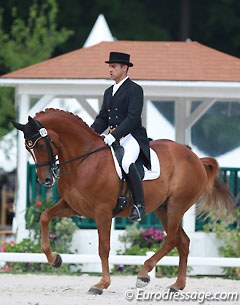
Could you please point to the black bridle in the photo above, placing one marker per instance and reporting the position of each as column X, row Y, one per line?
column 53, row 162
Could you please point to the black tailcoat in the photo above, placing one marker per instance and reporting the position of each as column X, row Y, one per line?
column 123, row 111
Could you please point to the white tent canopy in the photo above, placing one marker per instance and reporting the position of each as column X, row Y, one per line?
column 100, row 32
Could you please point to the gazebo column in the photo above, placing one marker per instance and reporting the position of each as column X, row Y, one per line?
column 19, row 223
column 182, row 111
column 183, row 136
column 23, row 110
column 184, row 120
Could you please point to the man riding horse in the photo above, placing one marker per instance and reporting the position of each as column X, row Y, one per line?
column 121, row 113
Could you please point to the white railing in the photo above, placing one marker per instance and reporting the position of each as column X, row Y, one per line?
column 121, row 259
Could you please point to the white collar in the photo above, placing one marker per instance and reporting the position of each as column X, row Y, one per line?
column 116, row 86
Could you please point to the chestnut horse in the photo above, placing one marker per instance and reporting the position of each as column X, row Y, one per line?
column 89, row 186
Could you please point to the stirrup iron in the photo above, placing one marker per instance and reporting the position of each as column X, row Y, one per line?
column 136, row 208
column 139, row 215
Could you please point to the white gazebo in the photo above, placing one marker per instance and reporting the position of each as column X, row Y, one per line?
column 182, row 72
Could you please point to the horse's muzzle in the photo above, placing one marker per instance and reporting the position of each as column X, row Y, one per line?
column 49, row 181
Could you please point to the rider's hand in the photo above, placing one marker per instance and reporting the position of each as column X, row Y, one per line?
column 109, row 139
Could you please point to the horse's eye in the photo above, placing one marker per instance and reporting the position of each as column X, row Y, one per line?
column 40, row 146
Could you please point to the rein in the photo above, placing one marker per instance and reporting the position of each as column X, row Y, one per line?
column 81, row 157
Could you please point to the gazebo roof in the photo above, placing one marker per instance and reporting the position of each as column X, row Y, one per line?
column 172, row 61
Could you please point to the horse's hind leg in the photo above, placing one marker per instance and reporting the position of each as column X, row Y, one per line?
column 170, row 220
column 60, row 209
column 173, row 222
column 182, row 246
column 183, row 250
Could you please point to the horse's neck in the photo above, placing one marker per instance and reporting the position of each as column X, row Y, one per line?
column 75, row 137
column 78, row 141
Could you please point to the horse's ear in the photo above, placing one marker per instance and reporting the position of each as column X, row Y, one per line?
column 31, row 121
column 18, row 125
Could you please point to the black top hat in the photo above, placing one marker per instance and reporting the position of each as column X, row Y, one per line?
column 122, row 58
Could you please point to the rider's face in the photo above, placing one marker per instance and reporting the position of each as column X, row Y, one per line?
column 117, row 71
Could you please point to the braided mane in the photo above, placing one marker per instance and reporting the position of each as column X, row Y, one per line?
column 67, row 114
column 71, row 115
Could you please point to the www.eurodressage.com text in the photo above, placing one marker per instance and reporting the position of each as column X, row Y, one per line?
column 200, row 296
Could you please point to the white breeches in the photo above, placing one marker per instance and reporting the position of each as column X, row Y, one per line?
column 131, row 151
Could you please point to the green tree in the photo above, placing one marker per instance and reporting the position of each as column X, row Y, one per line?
column 28, row 41
column 217, row 132
column 214, row 23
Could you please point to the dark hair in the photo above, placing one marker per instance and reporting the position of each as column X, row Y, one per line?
column 121, row 64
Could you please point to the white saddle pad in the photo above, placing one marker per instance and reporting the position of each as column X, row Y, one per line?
column 152, row 174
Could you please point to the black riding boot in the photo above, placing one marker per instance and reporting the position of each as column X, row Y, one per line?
column 135, row 182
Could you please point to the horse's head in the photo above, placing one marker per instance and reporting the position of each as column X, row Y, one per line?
column 43, row 149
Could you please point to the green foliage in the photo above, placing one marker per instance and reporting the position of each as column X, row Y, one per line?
column 63, row 231
column 33, row 215
column 24, row 246
column 60, row 235
column 25, row 42
column 220, row 25
column 229, row 234
column 60, row 229
column 131, row 236
column 7, row 109
column 32, row 40
column 219, row 128
column 214, row 23
column 29, row 246
column 138, row 241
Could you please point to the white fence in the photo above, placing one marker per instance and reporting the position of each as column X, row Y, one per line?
column 121, row 259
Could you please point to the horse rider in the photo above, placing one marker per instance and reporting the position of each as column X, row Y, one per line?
column 121, row 112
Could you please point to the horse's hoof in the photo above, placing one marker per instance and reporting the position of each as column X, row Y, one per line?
column 58, row 262
column 142, row 281
column 173, row 290
column 95, row 291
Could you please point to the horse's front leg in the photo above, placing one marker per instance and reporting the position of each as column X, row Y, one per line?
column 60, row 209
column 104, row 229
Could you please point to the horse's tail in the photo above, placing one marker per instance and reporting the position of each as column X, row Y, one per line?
column 216, row 200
